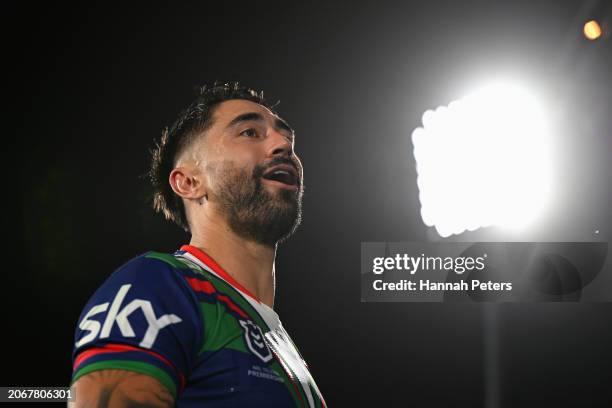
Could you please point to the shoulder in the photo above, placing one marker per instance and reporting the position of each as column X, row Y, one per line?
column 153, row 268
column 150, row 290
column 156, row 278
column 148, row 264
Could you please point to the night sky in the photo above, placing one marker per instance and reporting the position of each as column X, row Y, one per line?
column 95, row 85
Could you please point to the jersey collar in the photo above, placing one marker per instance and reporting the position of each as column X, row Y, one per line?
column 208, row 261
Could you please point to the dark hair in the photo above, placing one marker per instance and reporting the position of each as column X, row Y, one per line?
column 190, row 124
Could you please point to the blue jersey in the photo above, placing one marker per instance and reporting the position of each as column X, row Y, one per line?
column 183, row 320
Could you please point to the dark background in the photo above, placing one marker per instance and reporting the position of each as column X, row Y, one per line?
column 96, row 84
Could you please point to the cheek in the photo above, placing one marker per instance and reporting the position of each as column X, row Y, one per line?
column 242, row 151
column 246, row 158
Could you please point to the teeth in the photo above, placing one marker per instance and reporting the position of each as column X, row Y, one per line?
column 282, row 176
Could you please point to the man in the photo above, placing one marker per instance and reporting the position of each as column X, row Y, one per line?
column 196, row 328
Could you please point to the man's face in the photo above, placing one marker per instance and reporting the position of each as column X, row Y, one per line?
column 255, row 180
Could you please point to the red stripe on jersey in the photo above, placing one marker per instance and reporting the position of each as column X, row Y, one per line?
column 233, row 306
column 119, row 348
column 207, row 260
column 208, row 288
column 201, row 286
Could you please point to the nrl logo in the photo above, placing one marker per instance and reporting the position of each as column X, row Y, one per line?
column 255, row 340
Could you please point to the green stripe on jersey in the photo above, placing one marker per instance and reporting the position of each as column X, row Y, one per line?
column 226, row 289
column 222, row 329
column 167, row 258
column 136, row 366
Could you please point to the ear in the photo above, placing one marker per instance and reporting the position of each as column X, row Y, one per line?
column 187, row 182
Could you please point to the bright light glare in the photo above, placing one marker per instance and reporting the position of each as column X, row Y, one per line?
column 592, row 30
column 484, row 160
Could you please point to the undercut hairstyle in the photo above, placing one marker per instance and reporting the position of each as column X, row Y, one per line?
column 190, row 124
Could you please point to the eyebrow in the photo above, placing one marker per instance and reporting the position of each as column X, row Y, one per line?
column 258, row 117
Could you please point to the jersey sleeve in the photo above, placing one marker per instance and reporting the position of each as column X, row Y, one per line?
column 144, row 318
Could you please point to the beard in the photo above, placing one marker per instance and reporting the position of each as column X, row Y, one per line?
column 252, row 211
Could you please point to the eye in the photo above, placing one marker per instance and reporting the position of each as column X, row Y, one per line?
column 250, row 132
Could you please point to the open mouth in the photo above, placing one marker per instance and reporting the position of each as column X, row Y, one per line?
column 284, row 174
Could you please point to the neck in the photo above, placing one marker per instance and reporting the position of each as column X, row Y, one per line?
column 249, row 263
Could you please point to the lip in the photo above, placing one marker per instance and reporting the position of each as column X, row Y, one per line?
column 281, row 185
column 291, row 169
column 286, row 167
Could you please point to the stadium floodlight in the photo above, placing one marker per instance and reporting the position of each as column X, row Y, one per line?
column 592, row 30
column 483, row 160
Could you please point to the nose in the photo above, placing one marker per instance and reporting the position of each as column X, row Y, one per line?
column 280, row 144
